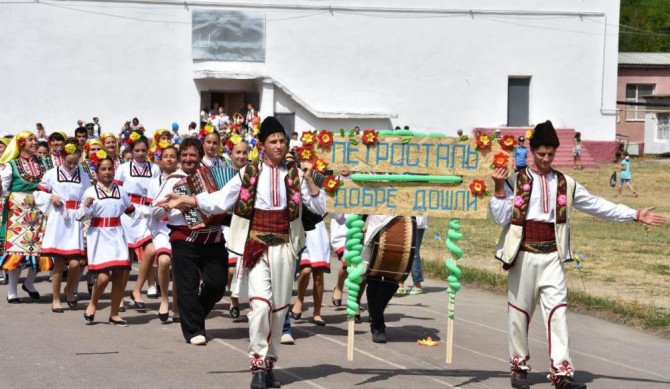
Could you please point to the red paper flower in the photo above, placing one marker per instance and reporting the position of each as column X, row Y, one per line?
column 325, row 139
column 508, row 142
column 331, row 184
column 21, row 141
column 320, row 165
column 308, row 138
column 483, row 141
column 478, row 187
column 305, row 153
column 93, row 159
column 370, row 137
column 500, row 160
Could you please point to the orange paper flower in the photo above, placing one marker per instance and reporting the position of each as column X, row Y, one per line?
column 325, row 138
column 305, row 153
column 320, row 165
column 331, row 184
column 428, row 342
column 500, row 160
column 308, row 138
column 508, row 142
column 483, row 141
column 478, row 187
column 370, row 137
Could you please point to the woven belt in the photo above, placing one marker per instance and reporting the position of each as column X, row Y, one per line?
column 269, row 238
column 139, row 200
column 539, row 247
column 105, row 222
column 72, row 204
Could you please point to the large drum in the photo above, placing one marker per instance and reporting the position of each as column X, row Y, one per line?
column 393, row 250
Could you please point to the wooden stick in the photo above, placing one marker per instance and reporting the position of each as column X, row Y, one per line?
column 450, row 331
column 350, row 340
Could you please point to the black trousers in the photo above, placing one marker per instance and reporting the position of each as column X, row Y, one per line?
column 191, row 263
column 379, row 294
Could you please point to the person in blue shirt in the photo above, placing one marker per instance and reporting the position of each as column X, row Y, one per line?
column 520, row 155
column 625, row 177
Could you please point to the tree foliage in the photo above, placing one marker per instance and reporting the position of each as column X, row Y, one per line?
column 644, row 26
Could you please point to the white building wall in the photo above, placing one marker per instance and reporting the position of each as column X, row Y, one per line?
column 652, row 144
column 435, row 70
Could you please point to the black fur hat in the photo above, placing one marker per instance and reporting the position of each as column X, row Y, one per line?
column 270, row 126
column 544, row 135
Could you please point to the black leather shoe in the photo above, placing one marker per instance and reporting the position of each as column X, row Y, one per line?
column 319, row 322
column 89, row 318
column 568, row 383
column 73, row 304
column 14, row 300
column 120, row 323
column 137, row 304
column 57, row 310
column 164, row 317
column 378, row 337
column 357, row 318
column 519, row 380
column 271, row 381
column 258, row 380
column 33, row 295
column 234, row 312
column 295, row 316
column 336, row 302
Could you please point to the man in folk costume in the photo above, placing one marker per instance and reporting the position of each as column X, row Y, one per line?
column 266, row 231
column 534, row 207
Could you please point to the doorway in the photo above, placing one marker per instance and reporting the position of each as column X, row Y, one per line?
column 518, row 100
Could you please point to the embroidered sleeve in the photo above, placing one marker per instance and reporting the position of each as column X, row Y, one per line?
column 601, row 208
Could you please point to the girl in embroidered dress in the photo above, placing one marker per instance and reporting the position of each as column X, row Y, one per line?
column 136, row 177
column 238, row 150
column 55, row 156
column 211, row 141
column 168, row 158
column 111, row 146
column 105, row 203
column 58, row 195
column 91, row 147
column 22, row 223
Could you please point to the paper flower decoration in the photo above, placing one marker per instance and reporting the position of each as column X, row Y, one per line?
column 305, row 153
column 69, row 148
column 500, row 160
column 308, row 138
column 483, row 142
column 478, row 187
column 331, row 184
column 134, row 136
column 320, row 165
column 508, row 143
column 21, row 141
column 204, row 131
column 370, row 137
column 428, row 342
column 94, row 159
column 325, row 139
column 529, row 134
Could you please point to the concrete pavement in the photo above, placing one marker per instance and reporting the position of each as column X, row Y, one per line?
column 39, row 348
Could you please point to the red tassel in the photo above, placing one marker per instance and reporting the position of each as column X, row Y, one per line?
column 253, row 251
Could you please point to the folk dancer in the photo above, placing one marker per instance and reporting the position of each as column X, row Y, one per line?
column 21, row 173
column 534, row 207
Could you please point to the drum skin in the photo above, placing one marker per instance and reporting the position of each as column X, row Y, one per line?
column 393, row 250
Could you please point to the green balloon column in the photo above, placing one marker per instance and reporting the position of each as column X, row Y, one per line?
column 355, row 273
column 453, row 236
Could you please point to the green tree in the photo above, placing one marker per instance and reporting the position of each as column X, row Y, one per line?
column 644, row 26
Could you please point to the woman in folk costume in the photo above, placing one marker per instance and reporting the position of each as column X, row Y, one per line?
column 22, row 222
column 238, row 151
column 107, row 249
column 136, row 177
column 267, row 198
column 534, row 206
column 58, row 197
column 55, row 156
column 211, row 141
column 111, row 146
column 167, row 156
column 91, row 148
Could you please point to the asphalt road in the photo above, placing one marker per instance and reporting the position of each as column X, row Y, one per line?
column 40, row 349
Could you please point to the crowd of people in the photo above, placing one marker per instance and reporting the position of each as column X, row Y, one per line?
column 99, row 201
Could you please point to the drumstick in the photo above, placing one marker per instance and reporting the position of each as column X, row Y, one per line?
column 455, row 273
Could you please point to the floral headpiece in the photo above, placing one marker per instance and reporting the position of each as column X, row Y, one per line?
column 15, row 145
column 156, row 151
column 233, row 141
column 94, row 159
column 69, row 149
column 22, row 138
column 133, row 137
column 204, row 131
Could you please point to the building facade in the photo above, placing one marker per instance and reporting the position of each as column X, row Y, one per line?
column 431, row 65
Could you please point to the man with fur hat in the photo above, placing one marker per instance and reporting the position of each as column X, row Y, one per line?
column 534, row 207
column 267, row 233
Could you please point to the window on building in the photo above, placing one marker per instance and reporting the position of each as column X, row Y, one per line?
column 635, row 93
column 663, row 126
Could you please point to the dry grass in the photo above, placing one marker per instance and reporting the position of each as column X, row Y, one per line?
column 626, row 272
